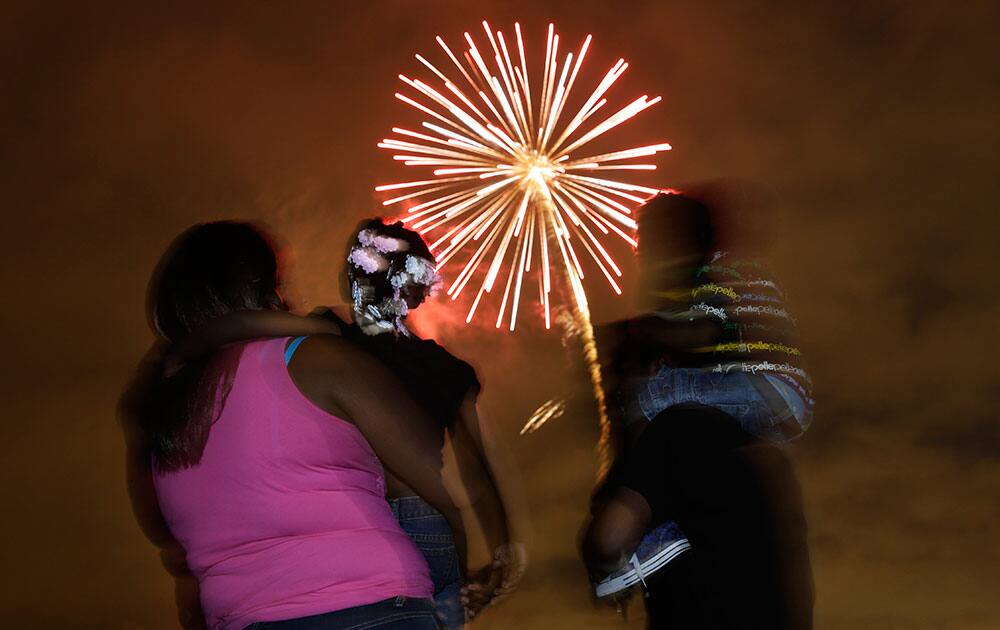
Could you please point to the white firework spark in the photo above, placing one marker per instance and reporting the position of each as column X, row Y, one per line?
column 507, row 185
column 550, row 410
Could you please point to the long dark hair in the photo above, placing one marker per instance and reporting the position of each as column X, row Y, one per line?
column 210, row 270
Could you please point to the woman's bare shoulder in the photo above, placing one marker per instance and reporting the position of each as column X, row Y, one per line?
column 332, row 352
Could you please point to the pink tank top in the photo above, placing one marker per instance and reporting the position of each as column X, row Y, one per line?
column 285, row 516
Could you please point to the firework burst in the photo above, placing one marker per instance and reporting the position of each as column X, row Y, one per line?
column 512, row 183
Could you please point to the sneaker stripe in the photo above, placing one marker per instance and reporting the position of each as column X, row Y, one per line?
column 611, row 585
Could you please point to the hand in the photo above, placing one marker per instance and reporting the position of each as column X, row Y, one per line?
column 493, row 584
column 511, row 560
column 477, row 592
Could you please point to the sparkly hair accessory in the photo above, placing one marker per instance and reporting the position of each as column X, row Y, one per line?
column 382, row 260
column 418, row 271
column 367, row 259
column 383, row 244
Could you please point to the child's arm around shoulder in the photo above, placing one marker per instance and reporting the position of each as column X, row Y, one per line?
column 243, row 326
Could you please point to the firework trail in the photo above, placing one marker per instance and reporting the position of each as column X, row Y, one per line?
column 550, row 410
column 507, row 189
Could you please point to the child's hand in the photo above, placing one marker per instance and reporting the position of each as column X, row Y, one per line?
column 511, row 560
column 478, row 591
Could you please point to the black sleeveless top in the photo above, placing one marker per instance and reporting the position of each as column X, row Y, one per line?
column 438, row 381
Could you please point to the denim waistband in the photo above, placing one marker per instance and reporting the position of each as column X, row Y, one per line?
column 773, row 417
column 411, row 507
column 394, row 611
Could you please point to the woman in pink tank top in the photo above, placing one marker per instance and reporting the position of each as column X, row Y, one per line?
column 263, row 484
column 391, row 272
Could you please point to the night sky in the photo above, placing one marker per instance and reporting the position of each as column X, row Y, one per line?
column 876, row 123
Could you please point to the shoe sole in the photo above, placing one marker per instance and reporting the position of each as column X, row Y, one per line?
column 610, row 586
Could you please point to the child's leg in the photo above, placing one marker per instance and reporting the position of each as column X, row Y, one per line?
column 615, row 530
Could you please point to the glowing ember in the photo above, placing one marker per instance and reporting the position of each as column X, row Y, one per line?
column 506, row 183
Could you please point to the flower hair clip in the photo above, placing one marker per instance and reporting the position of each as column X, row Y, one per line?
column 367, row 259
column 382, row 244
column 419, row 271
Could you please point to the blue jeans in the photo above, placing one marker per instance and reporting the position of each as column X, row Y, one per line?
column 397, row 613
column 734, row 393
column 430, row 531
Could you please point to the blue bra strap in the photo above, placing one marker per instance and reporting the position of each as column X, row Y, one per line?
column 292, row 347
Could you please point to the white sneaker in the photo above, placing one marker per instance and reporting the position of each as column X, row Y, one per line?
column 655, row 551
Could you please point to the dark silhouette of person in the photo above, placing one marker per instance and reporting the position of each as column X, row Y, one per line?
column 705, row 385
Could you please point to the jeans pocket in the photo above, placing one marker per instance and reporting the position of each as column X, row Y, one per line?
column 443, row 566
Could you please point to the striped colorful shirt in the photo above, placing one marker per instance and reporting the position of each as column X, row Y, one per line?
column 759, row 334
